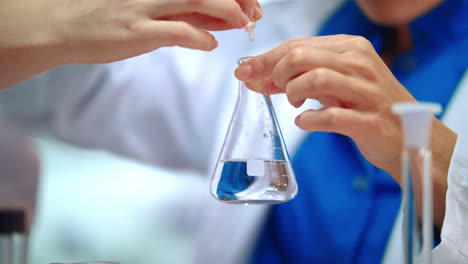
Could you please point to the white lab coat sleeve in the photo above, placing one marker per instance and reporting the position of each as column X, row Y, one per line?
column 146, row 108
column 454, row 235
column 454, row 245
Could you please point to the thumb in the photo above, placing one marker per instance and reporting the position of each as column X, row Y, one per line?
column 264, row 86
column 261, row 66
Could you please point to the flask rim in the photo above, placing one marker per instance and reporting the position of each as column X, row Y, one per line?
column 243, row 60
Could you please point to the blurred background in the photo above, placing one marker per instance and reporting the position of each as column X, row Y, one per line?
column 94, row 205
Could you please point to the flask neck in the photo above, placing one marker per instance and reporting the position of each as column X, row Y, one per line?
column 245, row 91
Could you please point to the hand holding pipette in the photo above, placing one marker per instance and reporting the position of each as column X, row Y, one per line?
column 46, row 33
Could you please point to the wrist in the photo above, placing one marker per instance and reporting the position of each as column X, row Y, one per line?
column 29, row 43
column 27, row 57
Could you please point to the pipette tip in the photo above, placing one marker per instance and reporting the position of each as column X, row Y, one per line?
column 251, row 36
column 250, row 28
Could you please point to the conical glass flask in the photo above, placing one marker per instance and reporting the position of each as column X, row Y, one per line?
column 253, row 166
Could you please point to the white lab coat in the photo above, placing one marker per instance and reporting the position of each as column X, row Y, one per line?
column 172, row 107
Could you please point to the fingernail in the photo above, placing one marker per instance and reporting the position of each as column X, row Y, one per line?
column 244, row 71
column 258, row 13
column 251, row 12
column 296, row 120
column 243, row 60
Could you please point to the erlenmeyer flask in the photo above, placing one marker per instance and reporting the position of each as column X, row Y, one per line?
column 253, row 166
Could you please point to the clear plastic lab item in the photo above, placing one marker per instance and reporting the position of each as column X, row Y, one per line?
column 253, row 166
column 416, row 120
column 13, row 237
column 250, row 30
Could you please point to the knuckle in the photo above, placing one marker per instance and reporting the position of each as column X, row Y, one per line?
column 343, row 36
column 364, row 68
column 297, row 57
column 330, row 118
column 259, row 64
column 182, row 31
column 319, row 77
column 136, row 28
column 293, row 44
column 361, row 43
column 130, row 30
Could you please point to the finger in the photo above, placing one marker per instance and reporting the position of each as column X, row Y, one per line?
column 303, row 59
column 328, row 101
column 202, row 22
column 347, row 122
column 264, row 86
column 170, row 33
column 262, row 65
column 226, row 10
column 252, row 8
column 258, row 14
column 323, row 82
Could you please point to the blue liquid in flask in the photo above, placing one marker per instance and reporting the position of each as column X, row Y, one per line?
column 268, row 183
